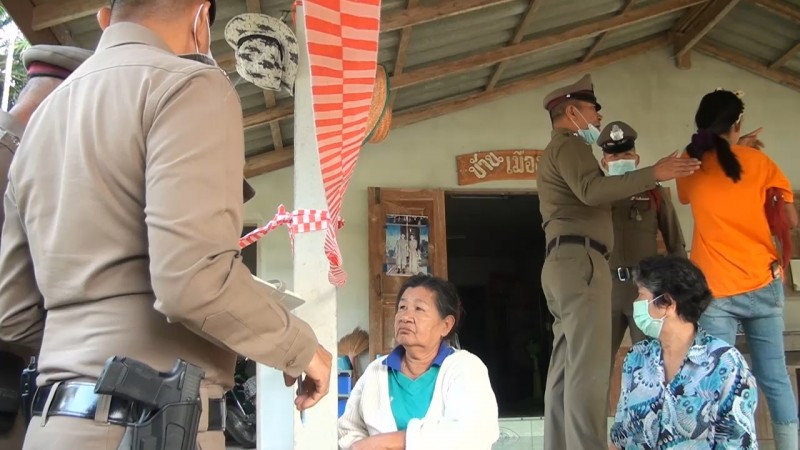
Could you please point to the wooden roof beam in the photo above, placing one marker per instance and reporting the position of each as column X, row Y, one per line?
column 56, row 12
column 596, row 45
column 269, row 161
column 585, row 31
column 438, row 71
column 780, row 7
column 780, row 62
column 59, row 12
column 782, row 77
column 706, row 21
column 436, row 109
column 402, row 53
column 516, row 38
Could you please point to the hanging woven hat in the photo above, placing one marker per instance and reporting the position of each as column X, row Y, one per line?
column 380, row 115
column 266, row 51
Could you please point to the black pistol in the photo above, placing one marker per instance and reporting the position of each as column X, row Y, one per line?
column 169, row 402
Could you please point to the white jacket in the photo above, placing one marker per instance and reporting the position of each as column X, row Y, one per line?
column 462, row 414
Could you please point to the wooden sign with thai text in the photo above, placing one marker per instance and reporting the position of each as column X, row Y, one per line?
column 498, row 165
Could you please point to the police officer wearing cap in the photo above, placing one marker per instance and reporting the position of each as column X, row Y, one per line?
column 637, row 220
column 47, row 67
column 575, row 199
column 121, row 234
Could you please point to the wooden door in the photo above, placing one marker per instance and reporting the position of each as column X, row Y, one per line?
column 392, row 213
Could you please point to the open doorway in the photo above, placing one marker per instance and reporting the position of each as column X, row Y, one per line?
column 495, row 253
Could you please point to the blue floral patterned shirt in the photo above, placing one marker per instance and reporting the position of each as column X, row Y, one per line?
column 710, row 403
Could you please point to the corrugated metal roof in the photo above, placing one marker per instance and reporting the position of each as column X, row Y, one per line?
column 749, row 29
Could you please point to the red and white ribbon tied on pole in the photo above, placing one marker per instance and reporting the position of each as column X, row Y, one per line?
column 300, row 221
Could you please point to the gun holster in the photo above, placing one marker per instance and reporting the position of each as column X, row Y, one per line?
column 173, row 427
column 11, row 367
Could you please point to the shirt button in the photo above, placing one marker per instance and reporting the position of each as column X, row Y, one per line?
column 291, row 362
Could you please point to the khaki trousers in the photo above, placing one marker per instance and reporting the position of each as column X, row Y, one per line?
column 623, row 294
column 67, row 433
column 577, row 284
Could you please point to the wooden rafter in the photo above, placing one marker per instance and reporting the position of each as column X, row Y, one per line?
column 597, row 42
column 489, row 58
column 705, row 22
column 254, row 6
column 22, row 13
column 531, row 46
column 783, row 77
column 269, row 161
column 402, row 52
column 780, row 62
column 780, row 7
column 56, row 12
column 516, row 38
column 451, row 105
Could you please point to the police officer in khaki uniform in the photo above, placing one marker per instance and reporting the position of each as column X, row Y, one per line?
column 47, row 67
column 575, row 199
column 637, row 220
column 123, row 218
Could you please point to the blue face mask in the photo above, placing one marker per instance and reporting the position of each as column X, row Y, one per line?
column 590, row 134
column 641, row 316
column 621, row 166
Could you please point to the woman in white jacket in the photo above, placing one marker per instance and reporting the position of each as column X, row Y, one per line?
column 424, row 394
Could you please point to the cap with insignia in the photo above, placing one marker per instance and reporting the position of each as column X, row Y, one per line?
column 617, row 137
column 57, row 61
column 582, row 90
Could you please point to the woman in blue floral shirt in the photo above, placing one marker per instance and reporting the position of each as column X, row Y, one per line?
column 682, row 388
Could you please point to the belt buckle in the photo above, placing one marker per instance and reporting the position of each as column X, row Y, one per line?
column 623, row 274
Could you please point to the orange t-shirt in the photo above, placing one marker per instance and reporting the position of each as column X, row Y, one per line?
column 732, row 243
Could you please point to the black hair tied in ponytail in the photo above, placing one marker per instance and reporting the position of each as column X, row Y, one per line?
column 716, row 115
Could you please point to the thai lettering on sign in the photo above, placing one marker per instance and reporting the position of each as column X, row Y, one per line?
column 498, row 165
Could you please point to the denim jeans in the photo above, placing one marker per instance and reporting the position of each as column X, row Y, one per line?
column 761, row 314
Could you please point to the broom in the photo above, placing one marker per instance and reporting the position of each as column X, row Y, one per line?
column 353, row 345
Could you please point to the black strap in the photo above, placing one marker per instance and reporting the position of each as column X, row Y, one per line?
column 576, row 239
column 78, row 399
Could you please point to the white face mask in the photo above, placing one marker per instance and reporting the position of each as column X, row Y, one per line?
column 621, row 166
column 207, row 57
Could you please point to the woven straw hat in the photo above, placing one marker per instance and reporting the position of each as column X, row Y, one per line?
column 380, row 115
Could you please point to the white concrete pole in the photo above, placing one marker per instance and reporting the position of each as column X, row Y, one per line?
column 279, row 425
column 310, row 263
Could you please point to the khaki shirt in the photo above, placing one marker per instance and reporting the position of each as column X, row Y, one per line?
column 636, row 225
column 123, row 221
column 575, row 196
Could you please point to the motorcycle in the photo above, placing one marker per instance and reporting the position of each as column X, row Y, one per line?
column 240, row 402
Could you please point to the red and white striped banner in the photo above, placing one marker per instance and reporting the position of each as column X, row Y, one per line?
column 342, row 37
column 300, row 221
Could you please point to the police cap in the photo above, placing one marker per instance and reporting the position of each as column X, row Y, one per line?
column 53, row 60
column 582, row 90
column 617, row 137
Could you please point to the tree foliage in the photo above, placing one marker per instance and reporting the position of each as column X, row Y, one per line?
column 18, row 73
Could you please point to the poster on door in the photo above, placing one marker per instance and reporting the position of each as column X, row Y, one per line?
column 406, row 246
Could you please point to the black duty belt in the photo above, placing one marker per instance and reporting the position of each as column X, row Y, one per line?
column 575, row 239
column 78, row 399
column 622, row 273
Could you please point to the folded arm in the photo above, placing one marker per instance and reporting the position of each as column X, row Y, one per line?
column 194, row 167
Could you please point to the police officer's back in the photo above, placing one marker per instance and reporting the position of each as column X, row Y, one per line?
column 129, row 232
